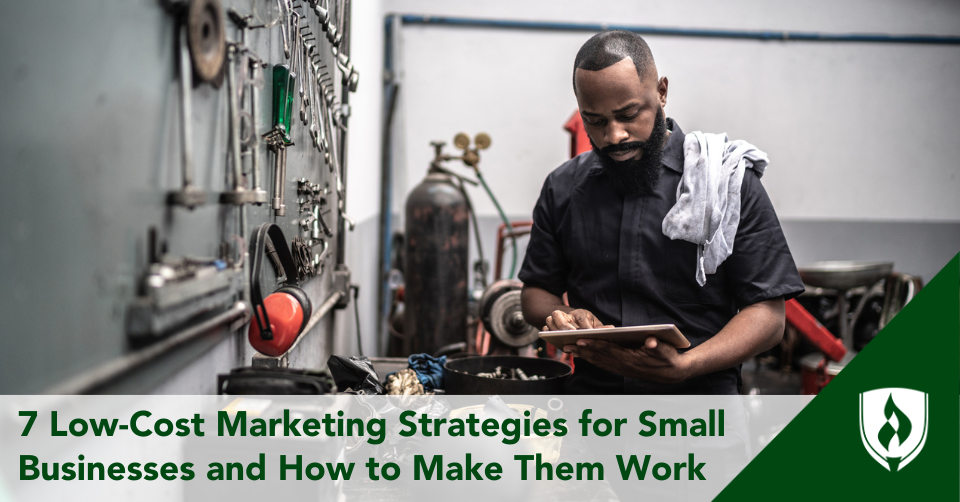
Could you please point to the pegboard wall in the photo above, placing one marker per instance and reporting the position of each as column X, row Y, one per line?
column 92, row 150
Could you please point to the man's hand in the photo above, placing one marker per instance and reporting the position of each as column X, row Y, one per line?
column 755, row 328
column 656, row 361
column 575, row 319
column 541, row 308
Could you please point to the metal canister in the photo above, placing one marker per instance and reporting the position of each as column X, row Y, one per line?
column 436, row 268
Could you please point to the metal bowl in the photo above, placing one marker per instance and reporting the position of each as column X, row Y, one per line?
column 460, row 375
column 844, row 275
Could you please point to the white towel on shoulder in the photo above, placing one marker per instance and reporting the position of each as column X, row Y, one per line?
column 707, row 212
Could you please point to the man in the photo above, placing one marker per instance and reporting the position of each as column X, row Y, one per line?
column 597, row 236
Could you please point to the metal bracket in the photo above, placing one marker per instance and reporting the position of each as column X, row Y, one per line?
column 273, row 362
column 341, row 283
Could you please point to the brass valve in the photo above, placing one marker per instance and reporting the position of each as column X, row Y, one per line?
column 471, row 156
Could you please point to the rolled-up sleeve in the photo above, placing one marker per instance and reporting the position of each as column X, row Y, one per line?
column 761, row 266
column 545, row 265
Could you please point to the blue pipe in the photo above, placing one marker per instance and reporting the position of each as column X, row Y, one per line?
column 785, row 36
column 390, row 89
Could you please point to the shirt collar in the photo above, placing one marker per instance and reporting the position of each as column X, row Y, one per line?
column 673, row 151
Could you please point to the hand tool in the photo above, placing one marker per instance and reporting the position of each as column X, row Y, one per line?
column 283, row 79
column 249, row 73
column 239, row 194
column 312, row 98
column 350, row 77
column 189, row 195
column 321, row 102
column 276, row 143
column 255, row 83
column 284, row 27
column 327, row 23
column 278, row 138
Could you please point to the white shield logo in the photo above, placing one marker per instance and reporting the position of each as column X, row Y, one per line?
column 893, row 425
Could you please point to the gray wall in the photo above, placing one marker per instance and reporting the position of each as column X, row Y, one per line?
column 89, row 147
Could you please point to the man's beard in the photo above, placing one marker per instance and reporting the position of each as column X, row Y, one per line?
column 636, row 176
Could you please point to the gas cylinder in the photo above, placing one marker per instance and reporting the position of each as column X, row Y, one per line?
column 436, row 265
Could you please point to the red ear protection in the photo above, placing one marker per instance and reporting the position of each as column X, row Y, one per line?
column 280, row 317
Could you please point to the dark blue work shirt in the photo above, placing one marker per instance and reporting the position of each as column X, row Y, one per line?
column 609, row 254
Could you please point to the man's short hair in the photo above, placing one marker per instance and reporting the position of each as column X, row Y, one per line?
column 610, row 47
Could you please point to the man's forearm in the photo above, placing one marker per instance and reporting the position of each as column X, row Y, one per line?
column 538, row 303
column 754, row 329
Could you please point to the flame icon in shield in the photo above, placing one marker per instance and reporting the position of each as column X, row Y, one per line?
column 893, row 425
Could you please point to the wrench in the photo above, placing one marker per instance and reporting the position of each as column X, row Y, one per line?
column 304, row 101
column 261, row 195
column 315, row 130
column 284, row 20
column 189, row 195
column 234, row 117
column 330, row 155
column 350, row 75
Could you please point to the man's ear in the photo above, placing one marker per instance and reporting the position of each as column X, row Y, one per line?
column 662, row 86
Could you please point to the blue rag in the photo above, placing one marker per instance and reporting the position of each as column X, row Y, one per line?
column 429, row 369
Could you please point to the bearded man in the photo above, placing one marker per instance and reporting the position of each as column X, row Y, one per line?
column 598, row 235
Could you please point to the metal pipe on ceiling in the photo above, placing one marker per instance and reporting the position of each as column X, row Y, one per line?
column 772, row 35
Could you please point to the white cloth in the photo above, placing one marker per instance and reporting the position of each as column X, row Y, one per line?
column 707, row 212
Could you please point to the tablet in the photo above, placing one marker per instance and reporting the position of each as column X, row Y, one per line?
column 628, row 336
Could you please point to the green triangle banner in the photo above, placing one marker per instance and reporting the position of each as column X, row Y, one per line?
column 887, row 427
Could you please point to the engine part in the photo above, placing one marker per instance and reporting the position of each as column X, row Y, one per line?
column 492, row 293
column 844, row 276
column 808, row 325
column 206, row 39
column 507, row 322
column 509, row 374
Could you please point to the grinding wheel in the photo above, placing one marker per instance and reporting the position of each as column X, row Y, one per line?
column 494, row 291
column 206, row 39
column 507, row 323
